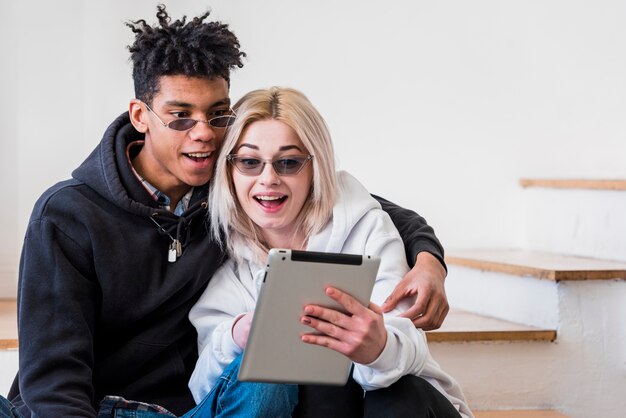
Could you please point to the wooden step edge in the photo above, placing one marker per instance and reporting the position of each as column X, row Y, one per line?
column 518, row 413
column 485, row 336
column 8, row 344
column 586, row 184
column 463, row 326
column 537, row 264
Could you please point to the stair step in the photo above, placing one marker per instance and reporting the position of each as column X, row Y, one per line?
column 8, row 324
column 526, row 413
column 462, row 326
column 538, row 264
column 459, row 326
column 589, row 184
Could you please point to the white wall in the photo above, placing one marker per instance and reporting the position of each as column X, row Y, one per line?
column 8, row 145
column 439, row 106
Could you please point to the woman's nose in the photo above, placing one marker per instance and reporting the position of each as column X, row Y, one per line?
column 268, row 175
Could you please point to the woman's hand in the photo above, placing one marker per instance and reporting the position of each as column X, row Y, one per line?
column 241, row 329
column 360, row 334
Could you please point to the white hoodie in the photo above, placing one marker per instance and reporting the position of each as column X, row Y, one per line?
column 358, row 226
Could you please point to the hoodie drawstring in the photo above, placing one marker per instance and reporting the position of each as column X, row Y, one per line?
column 181, row 225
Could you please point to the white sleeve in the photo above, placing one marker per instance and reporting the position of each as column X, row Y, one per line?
column 213, row 316
column 406, row 350
column 405, row 353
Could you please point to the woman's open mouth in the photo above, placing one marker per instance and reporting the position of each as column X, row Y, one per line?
column 270, row 202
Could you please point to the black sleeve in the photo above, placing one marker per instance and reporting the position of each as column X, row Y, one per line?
column 417, row 235
column 56, row 313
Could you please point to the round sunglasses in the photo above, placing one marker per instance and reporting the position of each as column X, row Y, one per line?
column 185, row 124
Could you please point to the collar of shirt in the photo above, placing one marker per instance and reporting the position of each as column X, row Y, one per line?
column 161, row 198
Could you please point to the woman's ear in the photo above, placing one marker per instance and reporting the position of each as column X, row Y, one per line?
column 138, row 113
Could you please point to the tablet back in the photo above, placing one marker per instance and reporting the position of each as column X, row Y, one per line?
column 293, row 279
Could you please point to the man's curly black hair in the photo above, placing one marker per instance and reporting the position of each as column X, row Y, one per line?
column 194, row 49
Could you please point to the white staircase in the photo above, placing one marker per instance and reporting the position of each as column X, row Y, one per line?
column 567, row 281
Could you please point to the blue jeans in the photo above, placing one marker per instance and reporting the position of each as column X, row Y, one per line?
column 228, row 398
column 7, row 410
column 232, row 398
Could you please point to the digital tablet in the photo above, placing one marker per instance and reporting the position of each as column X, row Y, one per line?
column 274, row 351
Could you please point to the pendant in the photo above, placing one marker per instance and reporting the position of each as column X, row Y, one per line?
column 171, row 253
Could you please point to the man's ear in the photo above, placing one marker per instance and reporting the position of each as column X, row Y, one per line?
column 138, row 115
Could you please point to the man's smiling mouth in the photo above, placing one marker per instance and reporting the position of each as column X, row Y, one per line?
column 198, row 156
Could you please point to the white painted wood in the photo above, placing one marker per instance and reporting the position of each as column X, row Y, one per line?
column 578, row 222
column 582, row 374
column 526, row 300
column 8, row 369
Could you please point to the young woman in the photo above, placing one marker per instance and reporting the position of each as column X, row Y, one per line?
column 275, row 186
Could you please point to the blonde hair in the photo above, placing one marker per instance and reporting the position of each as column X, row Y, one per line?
column 230, row 225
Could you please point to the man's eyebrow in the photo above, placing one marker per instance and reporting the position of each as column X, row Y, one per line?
column 176, row 103
column 185, row 105
column 221, row 102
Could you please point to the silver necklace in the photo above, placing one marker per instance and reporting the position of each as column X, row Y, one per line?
column 175, row 249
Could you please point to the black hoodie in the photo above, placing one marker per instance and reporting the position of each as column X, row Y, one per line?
column 101, row 311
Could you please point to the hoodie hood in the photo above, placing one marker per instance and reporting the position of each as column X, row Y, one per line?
column 353, row 202
column 106, row 169
column 107, row 172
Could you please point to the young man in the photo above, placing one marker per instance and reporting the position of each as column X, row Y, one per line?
column 115, row 257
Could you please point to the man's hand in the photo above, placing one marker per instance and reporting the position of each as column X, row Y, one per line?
column 426, row 280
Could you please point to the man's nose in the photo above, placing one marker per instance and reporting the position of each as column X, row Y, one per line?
column 202, row 131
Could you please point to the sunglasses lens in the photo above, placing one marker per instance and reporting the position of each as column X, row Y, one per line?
column 291, row 165
column 247, row 165
column 182, row 124
column 222, row 121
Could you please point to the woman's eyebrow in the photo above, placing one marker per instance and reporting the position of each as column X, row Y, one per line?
column 283, row 148
column 289, row 147
column 247, row 146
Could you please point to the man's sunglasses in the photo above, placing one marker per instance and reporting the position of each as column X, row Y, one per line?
column 253, row 166
column 185, row 124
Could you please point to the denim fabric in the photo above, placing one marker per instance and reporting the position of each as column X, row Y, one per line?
column 7, row 410
column 232, row 398
column 228, row 398
column 118, row 407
